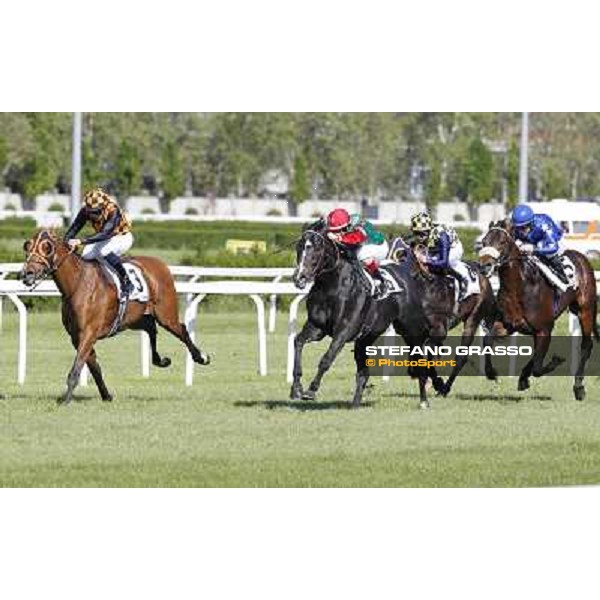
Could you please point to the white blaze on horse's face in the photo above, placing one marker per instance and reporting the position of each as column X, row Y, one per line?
column 299, row 278
column 490, row 254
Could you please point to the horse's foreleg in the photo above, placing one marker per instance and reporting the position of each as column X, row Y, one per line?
column 423, row 400
column 84, row 348
column 324, row 365
column 465, row 340
column 536, row 367
column 309, row 333
column 96, row 372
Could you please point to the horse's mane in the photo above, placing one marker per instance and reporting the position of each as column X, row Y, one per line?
column 502, row 224
column 318, row 225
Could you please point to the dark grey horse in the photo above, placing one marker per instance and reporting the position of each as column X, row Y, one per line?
column 340, row 306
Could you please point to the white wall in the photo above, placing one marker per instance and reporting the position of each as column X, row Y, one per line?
column 44, row 201
column 6, row 198
column 136, row 204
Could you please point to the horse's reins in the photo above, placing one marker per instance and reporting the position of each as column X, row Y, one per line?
column 494, row 252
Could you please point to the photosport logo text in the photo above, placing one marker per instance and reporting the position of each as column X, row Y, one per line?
column 390, row 355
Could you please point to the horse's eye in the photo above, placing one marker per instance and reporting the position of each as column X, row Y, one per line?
column 47, row 248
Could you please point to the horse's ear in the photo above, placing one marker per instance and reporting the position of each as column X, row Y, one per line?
column 491, row 224
column 27, row 246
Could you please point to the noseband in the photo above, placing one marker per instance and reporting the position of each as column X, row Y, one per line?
column 499, row 259
column 49, row 268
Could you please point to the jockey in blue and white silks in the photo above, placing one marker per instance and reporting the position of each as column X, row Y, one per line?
column 541, row 236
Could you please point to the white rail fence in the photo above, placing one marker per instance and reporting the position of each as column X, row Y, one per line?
column 192, row 283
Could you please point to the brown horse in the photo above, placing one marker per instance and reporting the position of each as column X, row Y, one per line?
column 529, row 305
column 90, row 304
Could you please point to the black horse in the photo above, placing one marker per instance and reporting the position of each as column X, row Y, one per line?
column 340, row 306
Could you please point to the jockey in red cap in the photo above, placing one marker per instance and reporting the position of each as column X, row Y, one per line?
column 371, row 245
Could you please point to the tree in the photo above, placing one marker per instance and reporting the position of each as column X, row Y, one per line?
column 128, row 175
column 300, row 187
column 172, row 174
column 512, row 173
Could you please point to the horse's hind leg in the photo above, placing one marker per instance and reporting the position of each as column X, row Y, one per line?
column 148, row 324
column 168, row 318
column 96, row 372
column 309, row 333
column 362, row 370
column 587, row 320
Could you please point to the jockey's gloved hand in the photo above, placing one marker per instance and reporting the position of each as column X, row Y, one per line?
column 527, row 248
column 334, row 237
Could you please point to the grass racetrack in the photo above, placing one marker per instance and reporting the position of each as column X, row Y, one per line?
column 235, row 428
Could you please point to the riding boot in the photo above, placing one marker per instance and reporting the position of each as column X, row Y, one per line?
column 558, row 268
column 380, row 287
column 126, row 286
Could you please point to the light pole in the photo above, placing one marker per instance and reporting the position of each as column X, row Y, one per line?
column 76, row 173
column 523, row 169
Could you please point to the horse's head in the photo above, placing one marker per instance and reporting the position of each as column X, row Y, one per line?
column 43, row 251
column 497, row 247
column 315, row 254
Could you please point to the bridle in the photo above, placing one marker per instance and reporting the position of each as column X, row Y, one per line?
column 322, row 253
column 499, row 259
column 34, row 256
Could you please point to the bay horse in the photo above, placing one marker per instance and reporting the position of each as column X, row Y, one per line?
column 90, row 304
column 340, row 306
column 530, row 305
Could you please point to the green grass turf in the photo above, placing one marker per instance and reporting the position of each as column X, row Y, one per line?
column 234, row 428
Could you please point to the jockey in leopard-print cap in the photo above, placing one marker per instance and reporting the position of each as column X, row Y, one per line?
column 112, row 236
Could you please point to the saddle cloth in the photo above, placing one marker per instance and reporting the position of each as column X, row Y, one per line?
column 473, row 286
column 140, row 286
column 391, row 285
column 552, row 278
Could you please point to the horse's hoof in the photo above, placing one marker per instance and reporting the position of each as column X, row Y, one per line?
column 296, row 392
column 439, row 385
column 443, row 390
column 63, row 400
column 162, row 363
column 204, row 359
column 523, row 385
column 309, row 395
column 108, row 398
column 424, row 405
column 579, row 393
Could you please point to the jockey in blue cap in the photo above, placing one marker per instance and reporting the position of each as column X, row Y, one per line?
column 541, row 236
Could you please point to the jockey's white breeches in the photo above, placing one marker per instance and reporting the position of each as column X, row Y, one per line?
column 455, row 260
column 118, row 244
column 376, row 252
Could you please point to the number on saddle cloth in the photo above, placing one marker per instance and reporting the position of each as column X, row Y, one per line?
column 140, row 287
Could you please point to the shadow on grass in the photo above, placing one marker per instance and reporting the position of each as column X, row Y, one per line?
column 299, row 405
column 512, row 398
